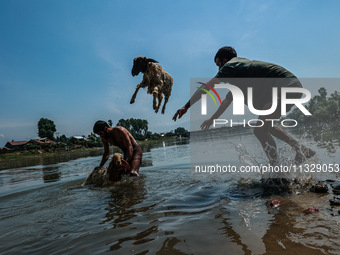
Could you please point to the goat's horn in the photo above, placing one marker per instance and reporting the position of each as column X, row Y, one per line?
column 152, row 60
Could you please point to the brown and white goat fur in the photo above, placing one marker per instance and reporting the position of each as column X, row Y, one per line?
column 106, row 176
column 155, row 78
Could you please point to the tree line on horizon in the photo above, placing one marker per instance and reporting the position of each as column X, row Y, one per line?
column 140, row 130
column 323, row 109
column 137, row 127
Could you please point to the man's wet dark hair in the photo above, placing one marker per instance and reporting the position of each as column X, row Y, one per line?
column 226, row 52
column 99, row 126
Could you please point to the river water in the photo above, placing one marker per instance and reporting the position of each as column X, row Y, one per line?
column 45, row 209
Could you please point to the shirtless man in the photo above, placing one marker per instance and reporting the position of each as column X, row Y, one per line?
column 231, row 66
column 120, row 137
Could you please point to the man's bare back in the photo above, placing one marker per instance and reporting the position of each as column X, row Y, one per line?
column 122, row 138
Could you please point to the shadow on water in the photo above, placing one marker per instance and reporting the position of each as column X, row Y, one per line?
column 259, row 228
column 123, row 198
column 48, row 159
column 51, row 174
column 125, row 205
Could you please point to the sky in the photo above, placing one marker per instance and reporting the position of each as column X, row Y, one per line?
column 70, row 61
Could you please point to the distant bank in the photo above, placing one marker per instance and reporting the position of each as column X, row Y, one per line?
column 40, row 157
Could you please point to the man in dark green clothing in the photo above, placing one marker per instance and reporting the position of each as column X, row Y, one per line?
column 262, row 76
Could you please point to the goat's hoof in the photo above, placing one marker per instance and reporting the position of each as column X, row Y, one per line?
column 132, row 101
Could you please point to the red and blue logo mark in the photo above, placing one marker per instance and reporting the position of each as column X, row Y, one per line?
column 213, row 90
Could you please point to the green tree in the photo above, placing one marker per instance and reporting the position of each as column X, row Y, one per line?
column 322, row 108
column 93, row 140
column 63, row 139
column 169, row 134
column 148, row 135
column 312, row 105
column 110, row 123
column 336, row 97
column 137, row 127
column 323, row 92
column 46, row 128
column 180, row 131
column 124, row 123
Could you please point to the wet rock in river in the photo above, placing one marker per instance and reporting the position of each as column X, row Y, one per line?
column 319, row 187
column 335, row 200
column 336, row 190
column 336, row 187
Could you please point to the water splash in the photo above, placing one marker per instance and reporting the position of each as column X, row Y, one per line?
column 285, row 175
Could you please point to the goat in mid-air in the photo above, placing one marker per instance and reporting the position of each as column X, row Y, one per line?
column 158, row 81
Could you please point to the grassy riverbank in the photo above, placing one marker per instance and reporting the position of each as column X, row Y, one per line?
column 27, row 158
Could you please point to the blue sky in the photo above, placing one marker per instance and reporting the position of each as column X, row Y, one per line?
column 70, row 61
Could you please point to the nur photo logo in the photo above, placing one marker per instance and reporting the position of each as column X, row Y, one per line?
column 279, row 96
column 204, row 96
column 238, row 99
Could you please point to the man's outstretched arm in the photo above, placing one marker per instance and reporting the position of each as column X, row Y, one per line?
column 195, row 97
column 225, row 104
column 106, row 154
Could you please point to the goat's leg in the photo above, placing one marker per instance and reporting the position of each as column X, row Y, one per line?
column 155, row 94
column 166, row 98
column 135, row 94
column 160, row 98
column 154, row 102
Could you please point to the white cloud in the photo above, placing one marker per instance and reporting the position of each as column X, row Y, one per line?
column 14, row 124
column 106, row 50
column 191, row 43
column 112, row 107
